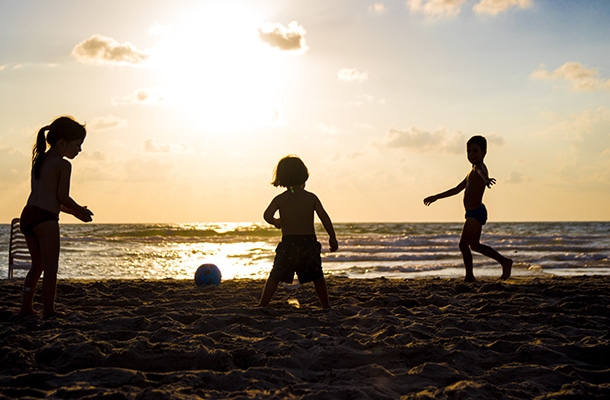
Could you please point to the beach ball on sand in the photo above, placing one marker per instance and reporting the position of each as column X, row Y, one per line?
column 207, row 274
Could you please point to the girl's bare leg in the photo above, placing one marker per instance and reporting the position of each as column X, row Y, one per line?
column 32, row 277
column 47, row 235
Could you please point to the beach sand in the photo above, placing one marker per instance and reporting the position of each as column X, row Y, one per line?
column 526, row 338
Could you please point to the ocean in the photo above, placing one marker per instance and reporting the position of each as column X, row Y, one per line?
column 367, row 250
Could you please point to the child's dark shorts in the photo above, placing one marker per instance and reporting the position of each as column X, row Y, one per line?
column 32, row 216
column 479, row 213
column 300, row 254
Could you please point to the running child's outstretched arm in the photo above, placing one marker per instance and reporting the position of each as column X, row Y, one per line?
column 451, row 192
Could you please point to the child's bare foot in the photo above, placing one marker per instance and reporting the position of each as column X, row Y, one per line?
column 28, row 312
column 470, row 278
column 507, row 267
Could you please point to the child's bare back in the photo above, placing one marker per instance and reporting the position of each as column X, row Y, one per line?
column 296, row 208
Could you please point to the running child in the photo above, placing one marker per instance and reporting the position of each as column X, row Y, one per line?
column 50, row 194
column 476, row 214
column 299, row 250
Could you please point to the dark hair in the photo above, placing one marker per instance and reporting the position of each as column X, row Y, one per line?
column 480, row 140
column 65, row 128
column 290, row 171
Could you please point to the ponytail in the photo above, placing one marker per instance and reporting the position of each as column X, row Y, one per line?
column 65, row 128
column 38, row 151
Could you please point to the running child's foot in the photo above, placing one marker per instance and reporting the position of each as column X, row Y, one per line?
column 507, row 267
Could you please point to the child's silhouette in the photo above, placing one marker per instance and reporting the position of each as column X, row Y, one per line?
column 476, row 214
column 299, row 250
column 50, row 194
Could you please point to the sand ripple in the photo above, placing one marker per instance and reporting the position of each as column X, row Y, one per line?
column 383, row 339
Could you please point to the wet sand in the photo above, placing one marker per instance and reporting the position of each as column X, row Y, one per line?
column 526, row 338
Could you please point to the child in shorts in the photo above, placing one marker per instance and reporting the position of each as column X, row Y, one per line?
column 299, row 250
column 476, row 214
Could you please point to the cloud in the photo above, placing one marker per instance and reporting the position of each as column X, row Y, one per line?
column 14, row 166
column 577, row 75
column 106, row 123
column 150, row 146
column 147, row 171
column 439, row 141
column 516, row 177
column 22, row 66
column 436, row 8
column 94, row 155
column 102, row 49
column 352, row 75
column 327, row 129
column 144, row 96
column 378, row 8
column 365, row 99
column 494, row 7
column 291, row 38
column 582, row 143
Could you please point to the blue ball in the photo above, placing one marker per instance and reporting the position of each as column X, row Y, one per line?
column 207, row 274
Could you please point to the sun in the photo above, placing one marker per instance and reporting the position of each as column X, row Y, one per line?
column 214, row 67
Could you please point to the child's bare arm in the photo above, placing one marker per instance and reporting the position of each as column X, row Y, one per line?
column 484, row 174
column 328, row 225
column 269, row 214
column 451, row 192
column 66, row 203
column 84, row 214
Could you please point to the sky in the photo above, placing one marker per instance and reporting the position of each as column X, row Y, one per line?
column 189, row 105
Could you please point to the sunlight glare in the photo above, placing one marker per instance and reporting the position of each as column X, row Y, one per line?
column 217, row 70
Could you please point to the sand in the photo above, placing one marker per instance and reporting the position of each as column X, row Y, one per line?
column 526, row 338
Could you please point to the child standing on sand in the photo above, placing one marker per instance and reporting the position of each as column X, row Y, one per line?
column 476, row 213
column 299, row 250
column 50, row 194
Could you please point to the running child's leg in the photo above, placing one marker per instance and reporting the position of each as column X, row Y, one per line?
column 471, row 233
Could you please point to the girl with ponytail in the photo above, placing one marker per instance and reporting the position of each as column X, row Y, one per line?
column 50, row 194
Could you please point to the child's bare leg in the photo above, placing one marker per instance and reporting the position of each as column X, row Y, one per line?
column 506, row 263
column 322, row 292
column 471, row 232
column 49, row 290
column 268, row 292
column 32, row 277
column 48, row 237
column 29, row 290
